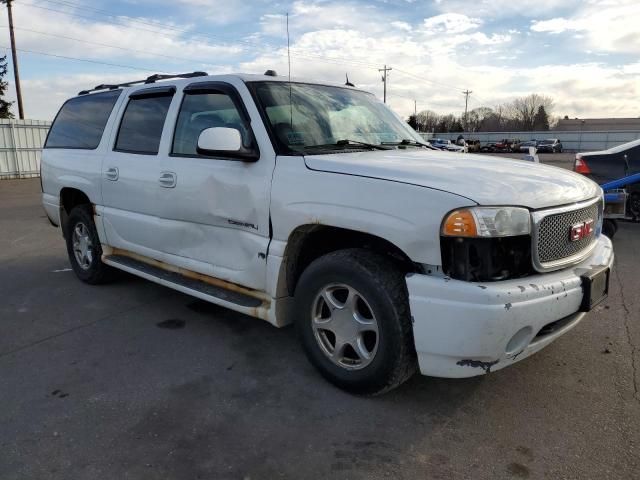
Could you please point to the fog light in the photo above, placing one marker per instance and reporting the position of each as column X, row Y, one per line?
column 519, row 341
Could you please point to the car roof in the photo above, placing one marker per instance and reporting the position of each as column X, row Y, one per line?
column 244, row 77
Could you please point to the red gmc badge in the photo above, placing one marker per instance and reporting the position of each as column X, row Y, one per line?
column 581, row 230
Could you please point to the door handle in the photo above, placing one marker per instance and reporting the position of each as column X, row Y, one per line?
column 168, row 179
column 112, row 174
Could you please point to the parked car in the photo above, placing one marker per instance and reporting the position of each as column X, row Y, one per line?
column 489, row 147
column 612, row 164
column 448, row 145
column 550, row 145
column 388, row 258
column 524, row 146
column 473, row 146
column 506, row 145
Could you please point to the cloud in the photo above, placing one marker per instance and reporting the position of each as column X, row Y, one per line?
column 124, row 38
column 305, row 16
column 612, row 28
column 449, row 23
column 402, row 26
column 434, row 56
column 500, row 9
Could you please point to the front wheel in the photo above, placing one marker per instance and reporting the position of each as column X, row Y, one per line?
column 609, row 227
column 352, row 316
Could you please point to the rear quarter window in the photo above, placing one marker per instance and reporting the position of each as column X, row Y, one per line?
column 81, row 121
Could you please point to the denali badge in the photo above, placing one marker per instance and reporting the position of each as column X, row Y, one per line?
column 581, row 230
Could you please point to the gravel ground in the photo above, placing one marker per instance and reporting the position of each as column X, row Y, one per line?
column 135, row 381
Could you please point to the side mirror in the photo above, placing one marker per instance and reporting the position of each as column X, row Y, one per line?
column 219, row 139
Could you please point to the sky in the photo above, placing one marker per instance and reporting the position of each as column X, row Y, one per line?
column 584, row 54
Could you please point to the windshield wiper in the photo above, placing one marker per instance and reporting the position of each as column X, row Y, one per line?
column 348, row 143
column 413, row 143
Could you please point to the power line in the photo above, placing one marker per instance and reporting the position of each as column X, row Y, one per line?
column 85, row 60
column 295, row 51
column 183, row 30
column 107, row 45
column 331, row 60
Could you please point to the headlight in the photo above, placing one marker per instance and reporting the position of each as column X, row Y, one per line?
column 487, row 222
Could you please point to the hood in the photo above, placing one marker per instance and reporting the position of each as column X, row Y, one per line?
column 483, row 179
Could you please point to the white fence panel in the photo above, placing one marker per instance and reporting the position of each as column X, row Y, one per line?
column 21, row 144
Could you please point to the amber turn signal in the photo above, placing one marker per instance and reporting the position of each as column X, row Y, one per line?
column 460, row 223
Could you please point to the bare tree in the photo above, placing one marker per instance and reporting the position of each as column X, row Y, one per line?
column 526, row 108
column 523, row 113
column 427, row 120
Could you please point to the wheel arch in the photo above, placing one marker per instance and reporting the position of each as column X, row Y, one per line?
column 70, row 198
column 308, row 242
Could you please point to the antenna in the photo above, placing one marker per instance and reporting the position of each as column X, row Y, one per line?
column 288, row 48
column 289, row 61
column 348, row 83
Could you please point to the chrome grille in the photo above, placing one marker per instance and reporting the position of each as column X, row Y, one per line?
column 553, row 234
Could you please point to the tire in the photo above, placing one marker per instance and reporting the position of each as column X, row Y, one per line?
column 609, row 227
column 84, row 248
column 383, row 331
column 633, row 205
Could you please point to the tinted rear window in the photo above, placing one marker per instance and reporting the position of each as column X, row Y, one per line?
column 142, row 123
column 81, row 121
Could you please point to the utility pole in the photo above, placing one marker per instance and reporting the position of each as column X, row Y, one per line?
column 384, row 80
column 14, row 55
column 466, row 94
column 415, row 109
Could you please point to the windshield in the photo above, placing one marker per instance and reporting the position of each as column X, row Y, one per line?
column 547, row 142
column 309, row 119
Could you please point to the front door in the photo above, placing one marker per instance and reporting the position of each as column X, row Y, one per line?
column 215, row 219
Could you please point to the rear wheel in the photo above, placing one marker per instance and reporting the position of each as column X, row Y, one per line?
column 83, row 247
column 352, row 316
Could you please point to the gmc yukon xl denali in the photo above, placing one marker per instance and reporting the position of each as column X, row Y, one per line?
column 314, row 204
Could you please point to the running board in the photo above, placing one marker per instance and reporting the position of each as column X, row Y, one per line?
column 206, row 288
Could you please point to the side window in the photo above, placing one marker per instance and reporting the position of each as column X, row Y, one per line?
column 81, row 121
column 142, row 123
column 203, row 110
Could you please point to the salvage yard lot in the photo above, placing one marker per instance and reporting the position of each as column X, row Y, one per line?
column 133, row 380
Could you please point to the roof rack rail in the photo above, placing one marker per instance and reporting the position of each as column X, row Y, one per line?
column 151, row 79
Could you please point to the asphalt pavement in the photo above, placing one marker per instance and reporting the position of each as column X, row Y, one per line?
column 135, row 381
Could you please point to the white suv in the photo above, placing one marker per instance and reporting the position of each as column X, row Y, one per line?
column 315, row 204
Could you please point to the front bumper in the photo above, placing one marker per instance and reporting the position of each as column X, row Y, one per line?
column 464, row 329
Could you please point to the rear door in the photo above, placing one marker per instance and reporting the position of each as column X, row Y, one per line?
column 131, row 173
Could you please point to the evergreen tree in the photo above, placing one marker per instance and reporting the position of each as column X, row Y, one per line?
column 541, row 120
column 4, row 105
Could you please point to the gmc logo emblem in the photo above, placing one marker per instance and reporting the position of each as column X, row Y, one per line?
column 581, row 230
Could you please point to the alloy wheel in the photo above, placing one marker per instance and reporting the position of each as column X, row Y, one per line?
column 345, row 326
